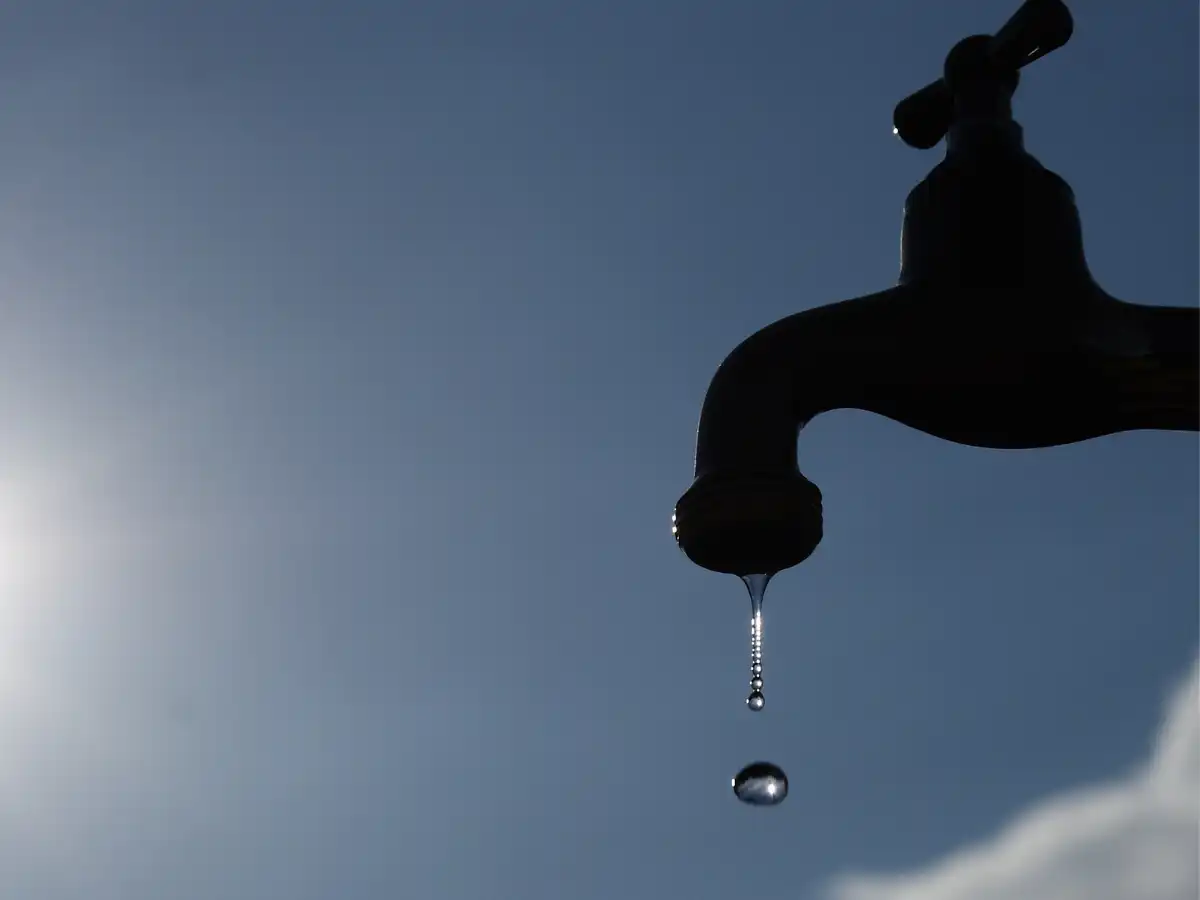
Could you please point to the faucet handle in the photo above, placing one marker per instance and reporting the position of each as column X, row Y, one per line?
column 1038, row 27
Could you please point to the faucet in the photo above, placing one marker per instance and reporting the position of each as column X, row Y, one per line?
column 996, row 335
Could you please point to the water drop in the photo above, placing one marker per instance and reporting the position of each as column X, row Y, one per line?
column 757, row 586
column 761, row 784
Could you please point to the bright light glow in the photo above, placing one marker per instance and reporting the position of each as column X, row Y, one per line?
column 24, row 545
column 25, row 555
column 8, row 547
column 12, row 546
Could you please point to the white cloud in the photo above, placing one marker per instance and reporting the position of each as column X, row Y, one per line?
column 1137, row 838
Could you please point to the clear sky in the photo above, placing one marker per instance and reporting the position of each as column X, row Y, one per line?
column 350, row 362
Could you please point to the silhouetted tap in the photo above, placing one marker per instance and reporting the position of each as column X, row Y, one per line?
column 996, row 335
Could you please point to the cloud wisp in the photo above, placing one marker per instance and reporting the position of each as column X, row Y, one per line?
column 1137, row 837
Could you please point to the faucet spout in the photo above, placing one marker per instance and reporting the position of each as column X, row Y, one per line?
column 996, row 336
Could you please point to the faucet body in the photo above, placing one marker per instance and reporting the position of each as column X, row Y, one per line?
column 995, row 336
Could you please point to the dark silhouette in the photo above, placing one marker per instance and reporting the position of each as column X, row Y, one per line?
column 996, row 335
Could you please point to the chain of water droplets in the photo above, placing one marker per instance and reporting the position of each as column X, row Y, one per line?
column 756, row 700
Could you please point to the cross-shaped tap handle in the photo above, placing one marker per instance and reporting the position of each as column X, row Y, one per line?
column 1037, row 28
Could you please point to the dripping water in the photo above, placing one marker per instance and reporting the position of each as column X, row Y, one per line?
column 761, row 784
column 757, row 586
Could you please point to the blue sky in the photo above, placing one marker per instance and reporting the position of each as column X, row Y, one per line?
column 350, row 363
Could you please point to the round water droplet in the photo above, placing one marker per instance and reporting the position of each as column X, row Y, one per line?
column 761, row 784
column 756, row 700
column 756, row 669
column 756, row 684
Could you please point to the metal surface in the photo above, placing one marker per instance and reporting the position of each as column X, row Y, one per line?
column 996, row 335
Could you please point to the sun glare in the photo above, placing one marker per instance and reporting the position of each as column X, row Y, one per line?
column 24, row 546
column 10, row 552
column 9, row 549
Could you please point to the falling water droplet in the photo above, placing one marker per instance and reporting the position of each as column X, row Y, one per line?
column 761, row 784
column 757, row 586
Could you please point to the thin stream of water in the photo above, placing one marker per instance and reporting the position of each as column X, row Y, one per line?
column 757, row 587
column 760, row 783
